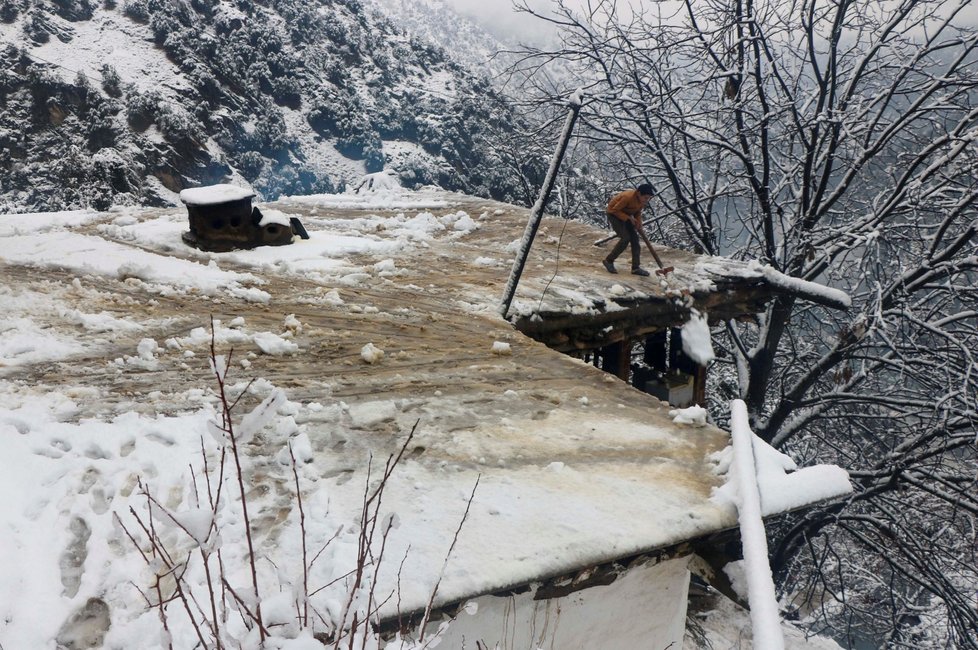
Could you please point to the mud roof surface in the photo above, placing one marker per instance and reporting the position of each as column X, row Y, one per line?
column 574, row 467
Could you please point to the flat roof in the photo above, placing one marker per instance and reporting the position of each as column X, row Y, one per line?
column 574, row 467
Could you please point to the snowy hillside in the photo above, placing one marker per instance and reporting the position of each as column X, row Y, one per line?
column 480, row 42
column 130, row 102
column 434, row 20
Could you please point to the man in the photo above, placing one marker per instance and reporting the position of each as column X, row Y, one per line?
column 625, row 217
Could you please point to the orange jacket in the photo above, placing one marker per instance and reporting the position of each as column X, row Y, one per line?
column 626, row 205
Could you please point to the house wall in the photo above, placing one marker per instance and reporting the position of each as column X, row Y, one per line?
column 644, row 609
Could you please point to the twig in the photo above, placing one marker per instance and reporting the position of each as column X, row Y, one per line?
column 324, row 546
column 205, row 555
column 240, row 476
column 333, row 582
column 241, row 603
column 434, row 592
column 304, row 615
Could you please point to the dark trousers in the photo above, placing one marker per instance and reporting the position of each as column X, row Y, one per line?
column 627, row 236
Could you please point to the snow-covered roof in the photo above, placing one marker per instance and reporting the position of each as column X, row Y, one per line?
column 215, row 194
column 383, row 322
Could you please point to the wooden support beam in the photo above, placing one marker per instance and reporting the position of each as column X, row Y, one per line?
column 616, row 359
column 699, row 386
column 656, row 350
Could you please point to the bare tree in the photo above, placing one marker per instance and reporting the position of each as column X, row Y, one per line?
column 834, row 140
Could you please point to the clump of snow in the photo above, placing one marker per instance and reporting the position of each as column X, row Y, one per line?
column 292, row 324
column 695, row 415
column 250, row 294
column 200, row 336
column 101, row 322
column 371, row 353
column 378, row 182
column 697, row 343
column 737, row 574
column 501, row 348
column 274, row 345
column 146, row 349
column 460, row 221
column 333, row 297
column 782, row 484
column 385, row 266
column 134, row 270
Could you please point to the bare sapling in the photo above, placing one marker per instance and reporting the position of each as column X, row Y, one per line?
column 199, row 577
column 228, row 429
column 209, row 620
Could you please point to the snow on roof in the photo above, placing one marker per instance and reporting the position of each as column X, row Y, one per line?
column 808, row 290
column 213, row 194
column 270, row 216
column 384, row 321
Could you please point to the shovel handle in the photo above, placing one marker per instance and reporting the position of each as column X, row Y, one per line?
column 645, row 238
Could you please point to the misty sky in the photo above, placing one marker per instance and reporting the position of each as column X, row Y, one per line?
column 499, row 17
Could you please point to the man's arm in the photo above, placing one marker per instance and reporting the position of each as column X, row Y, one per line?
column 618, row 204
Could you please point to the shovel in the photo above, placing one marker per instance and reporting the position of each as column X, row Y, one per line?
column 663, row 270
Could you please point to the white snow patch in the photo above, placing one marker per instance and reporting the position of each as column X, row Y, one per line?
column 379, row 182
column 696, row 415
column 269, row 216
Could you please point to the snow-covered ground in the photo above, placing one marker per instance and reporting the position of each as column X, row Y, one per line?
column 111, row 419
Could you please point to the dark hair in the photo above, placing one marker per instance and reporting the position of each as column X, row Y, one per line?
column 646, row 189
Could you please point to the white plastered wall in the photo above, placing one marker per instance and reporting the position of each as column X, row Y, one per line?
column 644, row 609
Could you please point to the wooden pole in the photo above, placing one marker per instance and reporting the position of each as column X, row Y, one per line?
column 536, row 213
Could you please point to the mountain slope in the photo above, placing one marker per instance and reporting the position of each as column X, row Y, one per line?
column 437, row 22
column 128, row 103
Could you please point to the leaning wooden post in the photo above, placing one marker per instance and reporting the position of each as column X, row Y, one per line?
column 536, row 214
